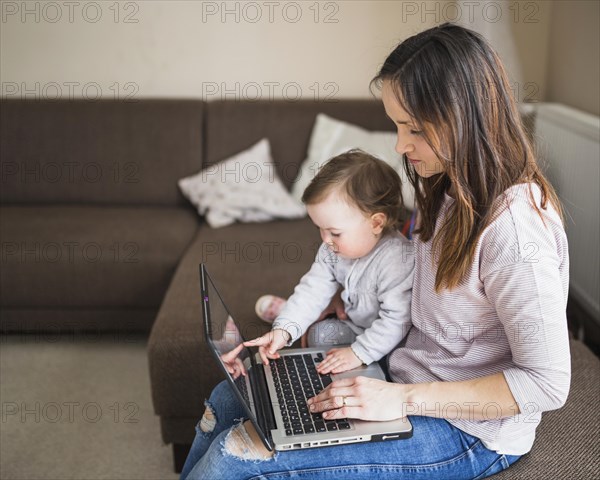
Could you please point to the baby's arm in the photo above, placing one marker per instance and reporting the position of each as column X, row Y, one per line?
column 394, row 291
column 311, row 296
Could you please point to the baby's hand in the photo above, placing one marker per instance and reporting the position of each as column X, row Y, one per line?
column 339, row 360
column 269, row 343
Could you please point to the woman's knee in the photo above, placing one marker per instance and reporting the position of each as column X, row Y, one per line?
column 221, row 406
column 242, row 442
column 208, row 422
column 236, row 451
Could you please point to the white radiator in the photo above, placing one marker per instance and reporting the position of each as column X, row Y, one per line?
column 568, row 143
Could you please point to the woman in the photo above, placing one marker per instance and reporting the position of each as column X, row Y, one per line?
column 488, row 350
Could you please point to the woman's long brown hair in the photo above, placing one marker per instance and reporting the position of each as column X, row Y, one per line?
column 453, row 84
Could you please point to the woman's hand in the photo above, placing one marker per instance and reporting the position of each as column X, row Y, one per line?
column 233, row 364
column 269, row 343
column 339, row 360
column 361, row 397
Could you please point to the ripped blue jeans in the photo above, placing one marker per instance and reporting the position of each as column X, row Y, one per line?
column 437, row 450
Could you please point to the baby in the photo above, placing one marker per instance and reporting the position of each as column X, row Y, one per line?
column 355, row 201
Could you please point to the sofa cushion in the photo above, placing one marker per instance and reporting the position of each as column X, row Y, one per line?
column 92, row 257
column 86, row 323
column 102, row 152
column 245, row 262
column 235, row 126
column 566, row 444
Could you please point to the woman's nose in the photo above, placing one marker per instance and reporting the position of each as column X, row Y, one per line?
column 403, row 147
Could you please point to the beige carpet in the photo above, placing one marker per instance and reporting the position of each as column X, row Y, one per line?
column 78, row 408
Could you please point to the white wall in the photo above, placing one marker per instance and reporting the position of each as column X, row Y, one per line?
column 195, row 49
column 243, row 49
column 574, row 52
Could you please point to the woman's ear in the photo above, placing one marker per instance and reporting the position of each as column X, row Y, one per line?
column 378, row 221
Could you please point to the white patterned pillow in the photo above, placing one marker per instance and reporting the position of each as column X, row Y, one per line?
column 244, row 187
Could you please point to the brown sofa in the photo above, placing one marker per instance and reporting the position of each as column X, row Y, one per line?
column 146, row 221
column 92, row 222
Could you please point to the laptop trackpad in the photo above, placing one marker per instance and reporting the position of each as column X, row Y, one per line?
column 371, row 371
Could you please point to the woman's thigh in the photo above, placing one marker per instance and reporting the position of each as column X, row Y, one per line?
column 222, row 411
column 437, row 450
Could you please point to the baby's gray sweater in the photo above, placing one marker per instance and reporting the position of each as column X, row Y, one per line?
column 376, row 295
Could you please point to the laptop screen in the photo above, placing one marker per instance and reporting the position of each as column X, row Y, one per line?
column 222, row 329
column 222, row 332
column 223, row 337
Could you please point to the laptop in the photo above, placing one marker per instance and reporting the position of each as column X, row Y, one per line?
column 274, row 396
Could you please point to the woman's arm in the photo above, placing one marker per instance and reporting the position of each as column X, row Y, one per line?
column 485, row 398
column 537, row 335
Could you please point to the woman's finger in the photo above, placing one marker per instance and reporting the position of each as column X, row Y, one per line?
column 346, row 383
column 340, row 406
column 343, row 382
column 334, row 396
column 344, row 412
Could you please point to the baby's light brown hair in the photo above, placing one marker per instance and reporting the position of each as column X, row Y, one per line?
column 365, row 181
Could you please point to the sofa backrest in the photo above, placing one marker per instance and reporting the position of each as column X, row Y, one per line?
column 232, row 126
column 101, row 152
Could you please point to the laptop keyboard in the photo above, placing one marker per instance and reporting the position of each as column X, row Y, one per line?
column 296, row 379
column 240, row 382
